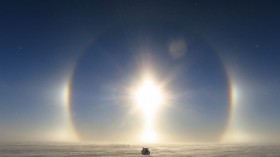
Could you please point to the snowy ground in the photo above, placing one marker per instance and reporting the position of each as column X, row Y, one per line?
column 91, row 150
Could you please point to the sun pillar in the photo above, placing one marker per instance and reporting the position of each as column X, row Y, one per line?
column 148, row 97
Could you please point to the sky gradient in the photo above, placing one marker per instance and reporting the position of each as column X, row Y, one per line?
column 67, row 69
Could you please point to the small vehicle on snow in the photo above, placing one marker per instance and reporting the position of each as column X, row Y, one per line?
column 145, row 151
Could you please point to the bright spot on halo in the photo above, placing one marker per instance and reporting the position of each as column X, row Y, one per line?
column 149, row 136
column 148, row 97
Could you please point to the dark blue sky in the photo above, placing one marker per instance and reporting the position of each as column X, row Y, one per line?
column 206, row 52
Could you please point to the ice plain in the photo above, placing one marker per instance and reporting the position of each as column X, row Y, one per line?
column 127, row 150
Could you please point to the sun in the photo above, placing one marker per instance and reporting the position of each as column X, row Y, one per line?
column 148, row 97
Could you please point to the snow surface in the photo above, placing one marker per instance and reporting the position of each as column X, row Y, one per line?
column 182, row 150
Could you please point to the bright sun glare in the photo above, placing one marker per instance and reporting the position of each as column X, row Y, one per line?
column 148, row 97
